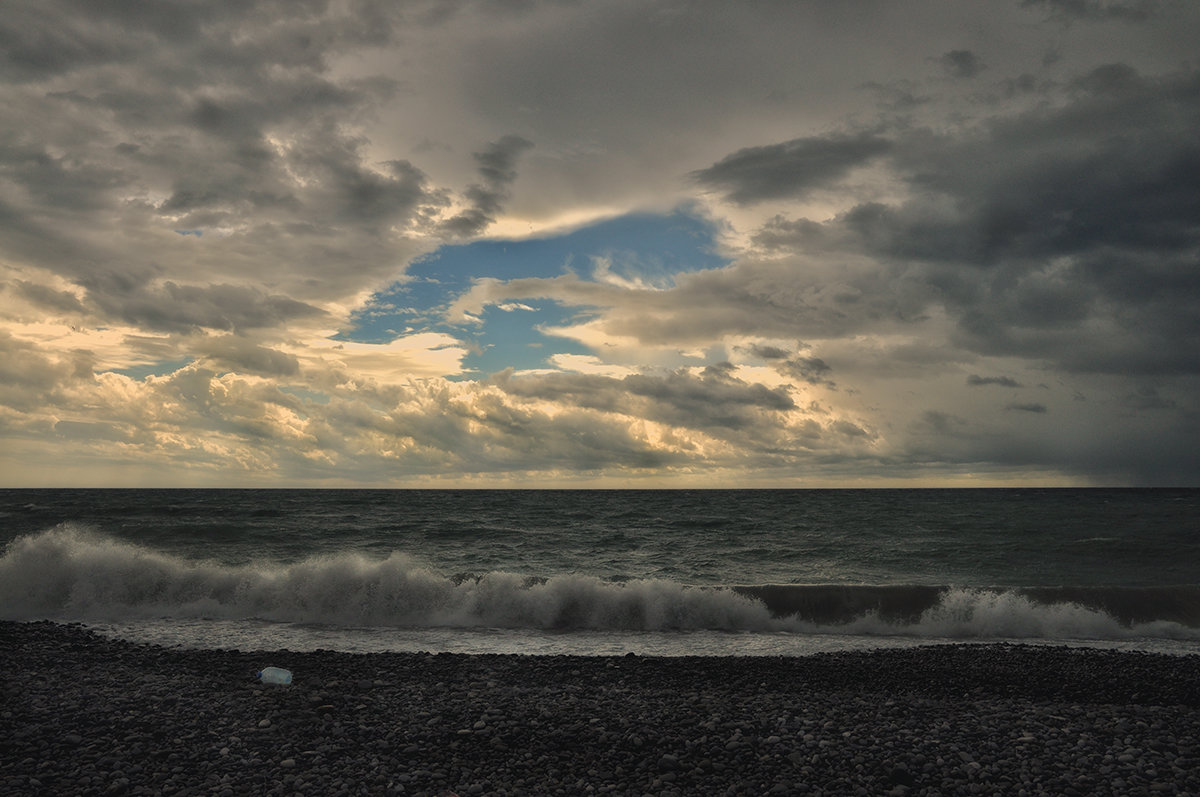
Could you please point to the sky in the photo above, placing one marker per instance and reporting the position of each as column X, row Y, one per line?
column 547, row 243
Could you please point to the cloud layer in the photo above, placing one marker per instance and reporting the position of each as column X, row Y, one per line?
column 555, row 243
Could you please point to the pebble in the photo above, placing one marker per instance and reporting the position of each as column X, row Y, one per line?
column 84, row 713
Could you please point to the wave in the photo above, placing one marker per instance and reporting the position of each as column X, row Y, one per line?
column 70, row 574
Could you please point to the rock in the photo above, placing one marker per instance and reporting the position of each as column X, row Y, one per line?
column 953, row 719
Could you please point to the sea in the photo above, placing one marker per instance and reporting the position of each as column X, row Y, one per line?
column 608, row 572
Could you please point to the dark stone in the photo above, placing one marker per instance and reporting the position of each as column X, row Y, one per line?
column 83, row 713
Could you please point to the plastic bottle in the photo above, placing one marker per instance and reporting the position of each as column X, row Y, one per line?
column 275, row 675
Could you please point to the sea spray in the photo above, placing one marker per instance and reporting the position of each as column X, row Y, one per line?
column 976, row 613
column 82, row 575
column 70, row 573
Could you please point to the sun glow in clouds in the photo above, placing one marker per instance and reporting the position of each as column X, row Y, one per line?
column 623, row 244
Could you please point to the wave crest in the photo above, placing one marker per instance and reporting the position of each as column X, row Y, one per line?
column 68, row 573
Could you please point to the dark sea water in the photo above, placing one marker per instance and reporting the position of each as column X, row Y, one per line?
column 712, row 572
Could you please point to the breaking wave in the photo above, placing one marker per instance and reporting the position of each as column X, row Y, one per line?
column 70, row 574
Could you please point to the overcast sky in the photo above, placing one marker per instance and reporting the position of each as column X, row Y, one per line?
column 526, row 243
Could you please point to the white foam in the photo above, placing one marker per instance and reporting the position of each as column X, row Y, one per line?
column 68, row 573
column 965, row 613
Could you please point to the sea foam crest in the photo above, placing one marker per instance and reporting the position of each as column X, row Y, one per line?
column 974, row 613
column 70, row 574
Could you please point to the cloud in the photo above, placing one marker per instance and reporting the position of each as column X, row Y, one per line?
column 497, row 166
column 1039, row 229
column 753, row 240
column 709, row 402
column 231, row 352
column 813, row 370
column 50, row 38
column 166, row 306
column 767, row 352
column 229, row 123
column 49, row 298
column 352, row 429
column 1003, row 381
column 961, row 63
column 1147, row 397
column 1123, row 10
column 1109, row 79
column 31, row 379
column 790, row 169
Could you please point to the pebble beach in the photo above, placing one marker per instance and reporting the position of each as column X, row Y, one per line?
column 85, row 714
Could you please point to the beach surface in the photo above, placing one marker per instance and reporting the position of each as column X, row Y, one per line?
column 85, row 714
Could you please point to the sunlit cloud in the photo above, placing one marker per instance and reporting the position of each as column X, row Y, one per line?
column 550, row 244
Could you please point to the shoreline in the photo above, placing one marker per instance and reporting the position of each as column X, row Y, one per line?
column 85, row 714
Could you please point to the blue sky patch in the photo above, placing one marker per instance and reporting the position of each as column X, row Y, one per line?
column 641, row 248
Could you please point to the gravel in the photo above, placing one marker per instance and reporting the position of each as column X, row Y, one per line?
column 85, row 714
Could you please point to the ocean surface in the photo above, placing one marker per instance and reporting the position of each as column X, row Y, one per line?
column 672, row 572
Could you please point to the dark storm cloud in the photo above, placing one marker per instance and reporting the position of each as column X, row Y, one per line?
column 1125, row 10
column 60, row 301
column 712, row 402
column 974, row 380
column 1112, row 79
column 813, row 370
column 497, row 167
column 1129, row 453
column 939, row 422
column 234, row 353
column 43, row 39
column 767, row 352
column 790, row 169
column 170, row 307
column 682, row 400
column 1107, row 169
column 46, row 38
column 218, row 118
column 780, row 233
column 319, row 176
column 1147, row 397
column 201, row 189
column 961, row 63
column 57, row 181
column 774, row 298
column 1069, row 233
